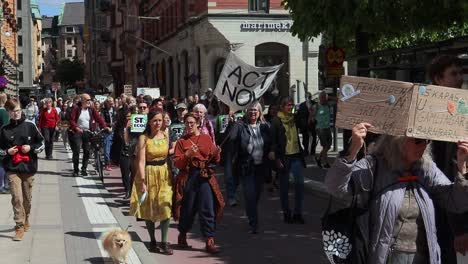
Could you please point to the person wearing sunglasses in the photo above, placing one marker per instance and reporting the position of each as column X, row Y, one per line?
column 143, row 108
column 84, row 118
column 405, row 185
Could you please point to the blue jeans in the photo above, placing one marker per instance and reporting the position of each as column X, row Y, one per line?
column 294, row 166
column 252, row 184
column 3, row 178
column 107, row 147
column 230, row 179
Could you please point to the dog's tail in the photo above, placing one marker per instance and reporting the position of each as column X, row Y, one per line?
column 107, row 234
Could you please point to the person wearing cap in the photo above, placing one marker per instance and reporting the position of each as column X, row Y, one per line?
column 181, row 111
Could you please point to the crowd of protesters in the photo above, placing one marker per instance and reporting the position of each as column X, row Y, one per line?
column 177, row 170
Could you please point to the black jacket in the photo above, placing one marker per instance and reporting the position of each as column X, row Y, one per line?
column 19, row 133
column 105, row 112
column 279, row 140
column 240, row 137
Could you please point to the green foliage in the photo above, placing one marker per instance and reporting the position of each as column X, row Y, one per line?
column 69, row 72
column 399, row 22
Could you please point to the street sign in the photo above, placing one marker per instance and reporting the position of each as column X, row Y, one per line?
column 336, row 72
column 335, row 57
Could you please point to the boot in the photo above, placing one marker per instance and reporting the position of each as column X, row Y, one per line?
column 19, row 229
column 182, row 241
column 27, row 226
column 165, row 249
column 211, row 247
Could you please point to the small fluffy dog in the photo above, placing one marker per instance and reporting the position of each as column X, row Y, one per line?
column 117, row 243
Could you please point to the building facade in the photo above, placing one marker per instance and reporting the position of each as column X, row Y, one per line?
column 36, row 42
column 49, row 49
column 26, row 52
column 125, row 48
column 9, row 46
column 98, row 49
column 195, row 38
column 71, row 26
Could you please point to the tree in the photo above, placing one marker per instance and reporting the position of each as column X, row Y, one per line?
column 384, row 22
column 69, row 72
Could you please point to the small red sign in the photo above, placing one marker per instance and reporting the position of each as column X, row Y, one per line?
column 335, row 57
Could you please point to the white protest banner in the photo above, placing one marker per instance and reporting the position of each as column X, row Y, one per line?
column 240, row 83
column 176, row 131
column 138, row 123
column 101, row 98
column 153, row 92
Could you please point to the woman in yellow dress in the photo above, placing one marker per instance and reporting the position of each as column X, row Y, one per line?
column 153, row 177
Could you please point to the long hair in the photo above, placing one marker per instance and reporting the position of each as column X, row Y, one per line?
column 147, row 131
column 391, row 150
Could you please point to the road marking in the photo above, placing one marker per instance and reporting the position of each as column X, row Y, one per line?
column 99, row 213
column 96, row 207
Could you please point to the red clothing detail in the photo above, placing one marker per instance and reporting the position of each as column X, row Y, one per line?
column 95, row 119
column 49, row 120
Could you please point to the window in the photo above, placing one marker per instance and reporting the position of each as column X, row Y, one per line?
column 20, row 41
column 69, row 30
column 20, row 58
column 18, row 4
column 20, row 21
column 20, row 77
column 69, row 41
column 259, row 6
column 69, row 53
column 43, row 54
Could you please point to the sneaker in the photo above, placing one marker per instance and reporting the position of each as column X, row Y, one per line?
column 19, row 233
column 108, row 168
column 232, row 202
column 84, row 173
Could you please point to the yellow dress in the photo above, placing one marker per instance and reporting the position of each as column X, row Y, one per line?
column 158, row 203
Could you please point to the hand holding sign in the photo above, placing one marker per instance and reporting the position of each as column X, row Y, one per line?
column 462, row 155
column 359, row 133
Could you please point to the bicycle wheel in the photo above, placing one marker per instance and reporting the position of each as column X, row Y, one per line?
column 99, row 165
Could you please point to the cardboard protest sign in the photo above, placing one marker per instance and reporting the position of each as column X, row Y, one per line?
column 404, row 109
column 153, row 92
column 176, row 131
column 100, row 98
column 383, row 103
column 240, row 83
column 439, row 113
column 138, row 123
column 128, row 89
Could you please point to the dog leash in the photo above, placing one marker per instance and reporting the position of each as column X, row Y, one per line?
column 140, row 202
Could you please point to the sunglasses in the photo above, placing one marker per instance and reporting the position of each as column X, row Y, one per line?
column 419, row 141
column 142, row 107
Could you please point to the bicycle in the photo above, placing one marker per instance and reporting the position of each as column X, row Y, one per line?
column 97, row 143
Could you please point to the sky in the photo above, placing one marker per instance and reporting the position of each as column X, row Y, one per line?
column 52, row 7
